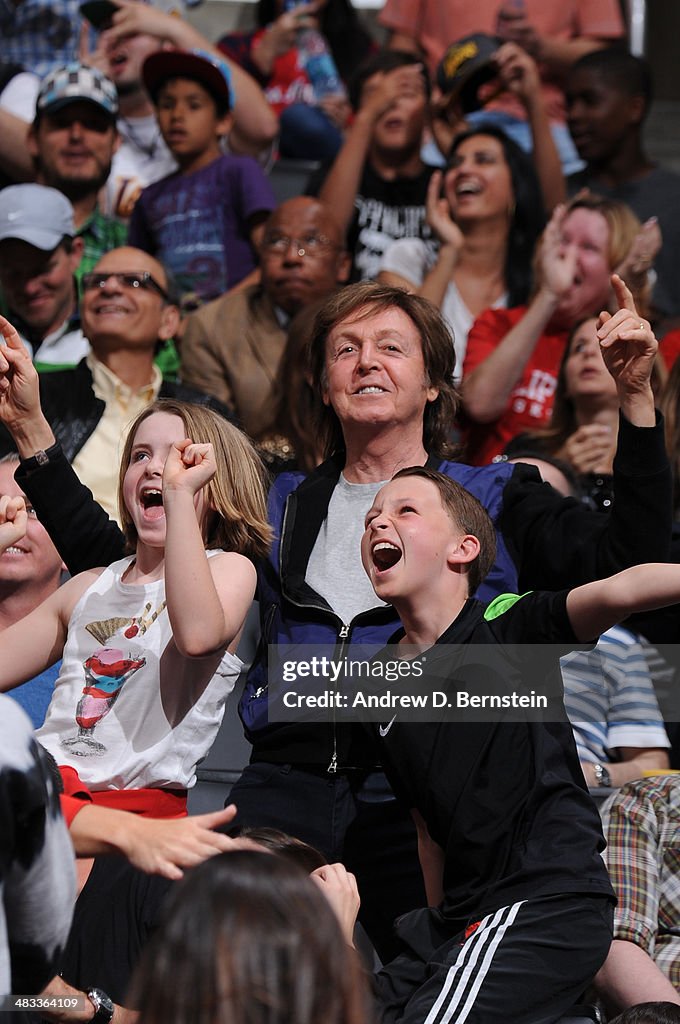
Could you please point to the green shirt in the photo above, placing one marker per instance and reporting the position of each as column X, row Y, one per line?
column 99, row 234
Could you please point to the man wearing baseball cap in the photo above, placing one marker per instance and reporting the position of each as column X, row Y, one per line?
column 72, row 142
column 39, row 254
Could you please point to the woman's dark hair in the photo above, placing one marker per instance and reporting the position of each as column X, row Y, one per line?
column 299, row 405
column 528, row 213
column 563, row 422
column 248, row 938
column 339, row 22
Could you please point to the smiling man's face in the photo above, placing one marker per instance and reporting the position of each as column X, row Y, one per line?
column 38, row 285
column 33, row 561
column 375, row 372
column 117, row 315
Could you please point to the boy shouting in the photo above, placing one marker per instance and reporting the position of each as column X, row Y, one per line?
column 520, row 902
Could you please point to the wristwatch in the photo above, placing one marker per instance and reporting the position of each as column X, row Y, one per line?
column 602, row 776
column 103, row 1006
column 40, row 458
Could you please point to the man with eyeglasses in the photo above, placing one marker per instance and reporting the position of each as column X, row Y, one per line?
column 72, row 142
column 126, row 310
column 39, row 254
column 232, row 347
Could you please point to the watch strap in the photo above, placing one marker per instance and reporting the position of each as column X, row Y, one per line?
column 103, row 1006
column 40, row 458
column 602, row 776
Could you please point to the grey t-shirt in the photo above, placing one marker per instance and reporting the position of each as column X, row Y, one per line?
column 335, row 570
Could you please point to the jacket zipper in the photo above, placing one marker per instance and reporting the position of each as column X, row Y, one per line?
column 343, row 637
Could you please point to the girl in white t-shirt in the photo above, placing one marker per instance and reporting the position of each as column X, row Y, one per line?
column 149, row 642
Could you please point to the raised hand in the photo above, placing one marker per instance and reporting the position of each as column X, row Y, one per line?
column 382, row 89
column 339, row 887
column 13, row 521
column 557, row 261
column 19, row 390
column 642, row 253
column 189, row 467
column 629, row 348
column 281, row 34
column 518, row 72
column 438, row 215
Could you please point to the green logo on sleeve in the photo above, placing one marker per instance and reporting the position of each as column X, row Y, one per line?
column 502, row 604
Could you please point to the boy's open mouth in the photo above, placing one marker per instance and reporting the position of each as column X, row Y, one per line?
column 385, row 555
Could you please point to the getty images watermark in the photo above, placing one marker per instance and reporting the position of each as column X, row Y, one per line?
column 464, row 682
column 361, row 683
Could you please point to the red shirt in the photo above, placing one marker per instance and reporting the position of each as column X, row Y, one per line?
column 669, row 347
column 531, row 400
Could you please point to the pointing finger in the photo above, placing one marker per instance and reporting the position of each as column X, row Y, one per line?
column 624, row 296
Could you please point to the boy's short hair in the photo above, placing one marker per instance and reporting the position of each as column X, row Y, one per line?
column 237, row 492
column 385, row 60
column 196, row 65
column 649, row 1013
column 466, row 512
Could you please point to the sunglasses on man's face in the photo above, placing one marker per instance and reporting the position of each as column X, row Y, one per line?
column 141, row 279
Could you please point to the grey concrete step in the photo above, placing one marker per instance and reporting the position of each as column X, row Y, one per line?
column 662, row 133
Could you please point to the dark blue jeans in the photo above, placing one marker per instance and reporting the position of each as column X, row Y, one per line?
column 353, row 818
column 306, row 133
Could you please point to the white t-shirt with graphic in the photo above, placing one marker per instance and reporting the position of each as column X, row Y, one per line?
column 129, row 711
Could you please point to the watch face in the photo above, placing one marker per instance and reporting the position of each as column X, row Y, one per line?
column 103, row 1005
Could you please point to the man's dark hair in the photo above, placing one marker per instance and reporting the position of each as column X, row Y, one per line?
column 386, row 60
column 620, row 69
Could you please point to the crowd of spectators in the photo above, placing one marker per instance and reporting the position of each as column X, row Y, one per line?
column 477, row 276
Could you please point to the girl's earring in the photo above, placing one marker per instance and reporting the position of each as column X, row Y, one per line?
column 512, row 206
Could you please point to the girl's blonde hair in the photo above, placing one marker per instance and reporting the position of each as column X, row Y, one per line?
column 238, row 491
